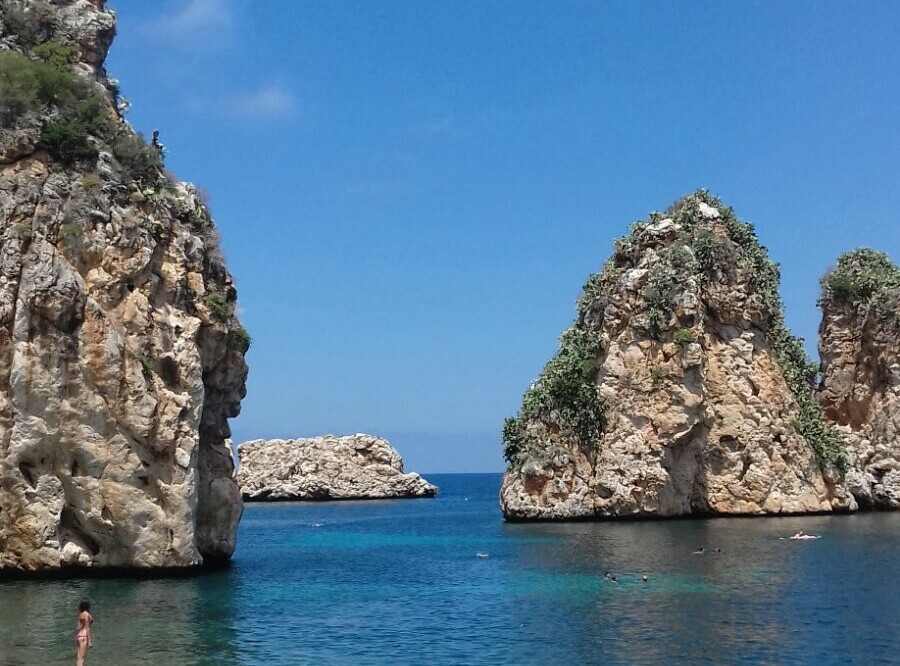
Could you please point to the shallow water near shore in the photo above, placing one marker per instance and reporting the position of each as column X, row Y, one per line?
column 401, row 582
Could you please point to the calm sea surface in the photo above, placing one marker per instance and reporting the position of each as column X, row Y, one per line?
column 400, row 583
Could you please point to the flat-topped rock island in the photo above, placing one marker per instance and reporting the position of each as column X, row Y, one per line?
column 353, row 467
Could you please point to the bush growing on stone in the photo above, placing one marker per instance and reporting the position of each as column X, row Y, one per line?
column 139, row 160
column 217, row 305
column 683, row 337
column 91, row 182
column 59, row 56
column 18, row 87
column 564, row 397
column 866, row 279
column 147, row 366
column 71, row 109
column 241, row 338
column 71, row 233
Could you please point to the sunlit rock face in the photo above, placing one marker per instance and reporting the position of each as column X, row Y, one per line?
column 326, row 468
column 859, row 342
column 677, row 391
column 121, row 359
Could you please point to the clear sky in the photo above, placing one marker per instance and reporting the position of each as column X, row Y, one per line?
column 411, row 194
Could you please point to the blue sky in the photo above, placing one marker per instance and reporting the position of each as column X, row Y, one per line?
column 411, row 194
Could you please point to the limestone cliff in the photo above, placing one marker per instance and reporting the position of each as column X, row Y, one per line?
column 121, row 359
column 678, row 390
column 326, row 468
column 859, row 342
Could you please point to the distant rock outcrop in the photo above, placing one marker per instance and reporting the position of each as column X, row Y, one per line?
column 859, row 342
column 326, row 468
column 678, row 390
column 121, row 359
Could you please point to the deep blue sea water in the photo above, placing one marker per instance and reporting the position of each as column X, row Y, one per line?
column 400, row 582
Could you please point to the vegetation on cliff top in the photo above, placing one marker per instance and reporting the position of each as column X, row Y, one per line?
column 74, row 115
column 692, row 254
column 867, row 280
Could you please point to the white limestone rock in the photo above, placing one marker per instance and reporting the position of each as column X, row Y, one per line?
column 326, row 468
column 697, row 417
column 121, row 359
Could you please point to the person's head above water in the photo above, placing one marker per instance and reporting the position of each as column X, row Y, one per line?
column 84, row 606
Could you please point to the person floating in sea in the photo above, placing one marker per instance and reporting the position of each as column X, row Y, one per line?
column 801, row 536
column 644, row 578
column 83, row 638
column 699, row 551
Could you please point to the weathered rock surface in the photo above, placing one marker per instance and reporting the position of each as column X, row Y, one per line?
column 326, row 468
column 121, row 359
column 677, row 391
column 859, row 342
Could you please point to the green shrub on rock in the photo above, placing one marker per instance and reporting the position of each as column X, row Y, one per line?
column 139, row 160
column 564, row 397
column 867, row 280
column 241, row 338
column 217, row 305
column 683, row 337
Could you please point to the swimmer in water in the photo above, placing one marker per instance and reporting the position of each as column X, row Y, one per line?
column 644, row 578
column 699, row 551
column 84, row 641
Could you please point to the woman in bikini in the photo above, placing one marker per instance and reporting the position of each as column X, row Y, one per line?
column 83, row 638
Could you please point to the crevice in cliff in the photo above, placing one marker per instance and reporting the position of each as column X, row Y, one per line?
column 71, row 530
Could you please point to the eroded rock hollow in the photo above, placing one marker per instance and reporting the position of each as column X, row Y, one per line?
column 121, row 359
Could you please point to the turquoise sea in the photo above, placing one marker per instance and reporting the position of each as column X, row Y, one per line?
column 400, row 582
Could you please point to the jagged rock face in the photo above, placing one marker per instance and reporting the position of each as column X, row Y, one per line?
column 326, row 468
column 121, row 359
column 859, row 342
column 669, row 394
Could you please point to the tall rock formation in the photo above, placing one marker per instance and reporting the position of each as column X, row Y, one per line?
column 121, row 359
column 859, row 342
column 678, row 390
column 326, row 468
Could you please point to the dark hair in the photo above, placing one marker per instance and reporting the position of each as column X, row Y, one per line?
column 84, row 606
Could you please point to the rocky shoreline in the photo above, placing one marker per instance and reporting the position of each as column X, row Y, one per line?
column 327, row 468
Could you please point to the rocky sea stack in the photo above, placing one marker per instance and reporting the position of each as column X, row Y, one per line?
column 326, row 468
column 678, row 390
column 859, row 342
column 121, row 359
